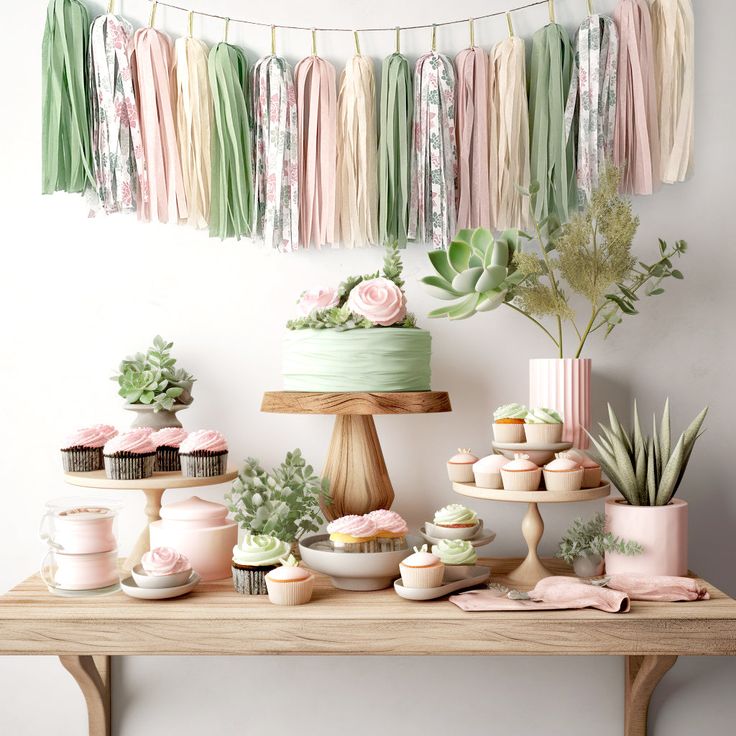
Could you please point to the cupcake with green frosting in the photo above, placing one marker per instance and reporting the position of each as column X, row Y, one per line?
column 508, row 423
column 253, row 559
column 454, row 521
column 458, row 556
column 543, row 426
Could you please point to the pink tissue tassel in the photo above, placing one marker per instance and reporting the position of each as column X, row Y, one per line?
column 471, row 98
column 150, row 63
column 636, row 139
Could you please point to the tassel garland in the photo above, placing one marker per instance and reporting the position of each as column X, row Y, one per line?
column 276, row 149
column 552, row 152
column 316, row 116
column 591, row 105
column 231, row 191
column 117, row 146
column 66, row 161
column 636, row 141
column 472, row 138
column 151, row 67
column 193, row 124
column 509, row 135
column 674, row 47
column 433, row 160
column 357, row 185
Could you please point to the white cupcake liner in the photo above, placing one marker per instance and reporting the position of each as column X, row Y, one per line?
column 521, row 480
column 591, row 477
column 508, row 432
column 488, row 480
column 422, row 577
column 563, row 480
column 543, row 434
column 290, row 592
column 460, row 472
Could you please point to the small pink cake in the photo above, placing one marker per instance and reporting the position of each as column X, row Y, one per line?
column 353, row 533
column 130, row 455
column 422, row 569
column 81, row 450
column 521, row 474
column 203, row 454
column 289, row 585
column 591, row 469
column 167, row 443
column 563, row 474
column 391, row 530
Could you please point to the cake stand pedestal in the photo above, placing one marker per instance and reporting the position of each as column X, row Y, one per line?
column 531, row 570
column 359, row 480
column 153, row 488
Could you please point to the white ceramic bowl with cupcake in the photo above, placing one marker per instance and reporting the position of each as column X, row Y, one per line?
column 487, row 471
column 591, row 469
column 203, row 454
column 255, row 557
column 543, row 426
column 508, row 423
column 521, row 474
column 458, row 556
column 130, row 455
column 167, row 442
column 454, row 521
column 460, row 466
column 563, row 474
column 81, row 450
column 162, row 567
column 289, row 584
column 422, row 569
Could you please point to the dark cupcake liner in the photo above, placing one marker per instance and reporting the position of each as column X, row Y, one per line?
column 251, row 580
column 129, row 465
column 82, row 459
column 203, row 464
column 167, row 459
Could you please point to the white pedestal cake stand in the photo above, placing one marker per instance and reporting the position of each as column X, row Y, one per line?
column 531, row 570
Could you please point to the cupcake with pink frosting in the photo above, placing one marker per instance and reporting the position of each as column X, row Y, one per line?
column 289, row 585
column 353, row 533
column 81, row 450
column 391, row 530
column 591, row 469
column 168, row 441
column 130, row 455
column 203, row 454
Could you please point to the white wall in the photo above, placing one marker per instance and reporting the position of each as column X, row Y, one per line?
column 76, row 294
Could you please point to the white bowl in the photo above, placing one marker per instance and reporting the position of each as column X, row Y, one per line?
column 452, row 532
column 144, row 580
column 353, row 570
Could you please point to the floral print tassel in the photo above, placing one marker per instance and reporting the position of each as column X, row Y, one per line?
column 636, row 138
column 509, row 135
column 117, row 147
column 394, row 146
column 66, row 160
column 552, row 152
column 357, row 185
column 591, row 105
column 316, row 116
column 193, row 124
column 674, row 48
column 276, row 148
column 433, row 160
column 231, row 188
column 150, row 62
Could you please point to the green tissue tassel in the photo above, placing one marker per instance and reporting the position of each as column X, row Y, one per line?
column 231, row 203
column 67, row 163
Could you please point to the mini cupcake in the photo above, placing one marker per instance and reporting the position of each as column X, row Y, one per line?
column 203, row 454
column 508, row 423
column 563, row 474
column 454, row 521
column 460, row 466
column 487, row 471
column 81, row 451
column 167, row 443
column 255, row 557
column 458, row 556
column 130, row 455
column 591, row 469
column 422, row 569
column 392, row 530
column 543, row 426
column 289, row 585
column 521, row 474
column 353, row 533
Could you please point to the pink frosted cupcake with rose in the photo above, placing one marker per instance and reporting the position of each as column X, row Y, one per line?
column 81, row 450
column 391, row 530
column 353, row 533
column 168, row 441
column 203, row 454
column 130, row 455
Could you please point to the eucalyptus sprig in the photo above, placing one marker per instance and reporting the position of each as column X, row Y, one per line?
column 583, row 537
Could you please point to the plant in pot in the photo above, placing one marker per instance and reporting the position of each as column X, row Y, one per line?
column 154, row 387
column 647, row 470
column 284, row 503
column 544, row 275
column 585, row 543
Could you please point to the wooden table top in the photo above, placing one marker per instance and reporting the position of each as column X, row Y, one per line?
column 215, row 620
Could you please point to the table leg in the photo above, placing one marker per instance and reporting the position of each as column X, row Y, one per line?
column 358, row 476
column 93, row 677
column 643, row 673
column 531, row 570
column 153, row 513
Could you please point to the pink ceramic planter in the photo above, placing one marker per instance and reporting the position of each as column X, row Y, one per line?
column 661, row 530
column 563, row 384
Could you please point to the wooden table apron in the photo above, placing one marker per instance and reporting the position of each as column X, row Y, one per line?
column 215, row 620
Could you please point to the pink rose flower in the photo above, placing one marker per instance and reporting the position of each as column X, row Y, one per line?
column 313, row 299
column 164, row 561
column 378, row 300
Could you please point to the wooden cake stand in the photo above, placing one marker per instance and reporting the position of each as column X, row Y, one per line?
column 531, row 570
column 359, row 480
column 153, row 487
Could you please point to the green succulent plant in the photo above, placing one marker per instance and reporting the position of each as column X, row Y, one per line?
column 152, row 378
column 646, row 470
column 583, row 537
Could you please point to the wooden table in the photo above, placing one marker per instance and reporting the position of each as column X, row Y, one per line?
column 214, row 620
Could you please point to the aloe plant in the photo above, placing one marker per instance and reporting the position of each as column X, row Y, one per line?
column 646, row 470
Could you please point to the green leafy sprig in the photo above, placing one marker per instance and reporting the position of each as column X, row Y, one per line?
column 582, row 537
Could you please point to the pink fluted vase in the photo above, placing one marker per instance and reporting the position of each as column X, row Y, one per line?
column 563, row 384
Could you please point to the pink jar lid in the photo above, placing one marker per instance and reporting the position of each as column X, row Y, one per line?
column 194, row 512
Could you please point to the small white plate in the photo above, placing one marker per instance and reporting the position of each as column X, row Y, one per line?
column 64, row 593
column 478, row 576
column 129, row 587
column 540, row 454
column 481, row 539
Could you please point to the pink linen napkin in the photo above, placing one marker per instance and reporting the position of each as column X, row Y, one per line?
column 658, row 587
